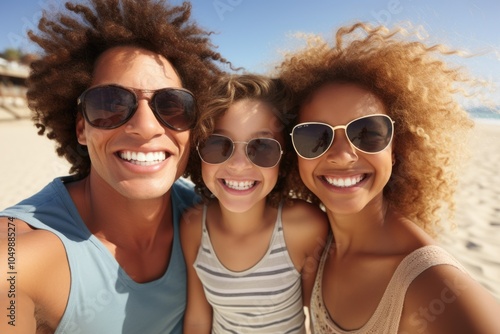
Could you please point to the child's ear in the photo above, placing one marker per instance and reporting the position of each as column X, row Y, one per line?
column 80, row 129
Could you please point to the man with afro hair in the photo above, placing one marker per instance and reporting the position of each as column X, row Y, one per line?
column 118, row 87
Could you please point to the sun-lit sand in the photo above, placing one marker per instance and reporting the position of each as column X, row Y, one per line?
column 475, row 242
column 29, row 161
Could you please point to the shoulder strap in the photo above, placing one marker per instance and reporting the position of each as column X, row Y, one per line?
column 390, row 308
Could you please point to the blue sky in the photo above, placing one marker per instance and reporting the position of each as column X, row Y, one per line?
column 251, row 33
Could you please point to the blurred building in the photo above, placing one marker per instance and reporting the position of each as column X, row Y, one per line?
column 13, row 103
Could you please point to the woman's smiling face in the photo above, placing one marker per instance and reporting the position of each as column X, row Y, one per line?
column 344, row 179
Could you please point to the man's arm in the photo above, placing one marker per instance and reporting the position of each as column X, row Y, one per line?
column 34, row 279
column 17, row 307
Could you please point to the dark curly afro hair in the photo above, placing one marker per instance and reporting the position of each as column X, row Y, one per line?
column 72, row 40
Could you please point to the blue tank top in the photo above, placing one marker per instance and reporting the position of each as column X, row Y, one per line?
column 103, row 298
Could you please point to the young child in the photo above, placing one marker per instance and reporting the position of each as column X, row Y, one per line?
column 378, row 138
column 251, row 257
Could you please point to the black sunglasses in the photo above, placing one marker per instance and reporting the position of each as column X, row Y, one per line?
column 369, row 134
column 262, row 152
column 110, row 106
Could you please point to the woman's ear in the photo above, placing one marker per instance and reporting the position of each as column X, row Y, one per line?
column 80, row 129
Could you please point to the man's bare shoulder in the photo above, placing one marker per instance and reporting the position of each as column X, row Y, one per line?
column 32, row 249
column 30, row 241
column 34, row 267
column 13, row 225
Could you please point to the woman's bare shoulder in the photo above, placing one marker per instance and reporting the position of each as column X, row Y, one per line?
column 445, row 299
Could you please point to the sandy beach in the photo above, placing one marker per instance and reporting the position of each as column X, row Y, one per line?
column 475, row 241
column 29, row 162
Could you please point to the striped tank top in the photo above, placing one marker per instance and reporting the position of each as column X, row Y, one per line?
column 267, row 298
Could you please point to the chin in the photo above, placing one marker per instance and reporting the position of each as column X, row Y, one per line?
column 237, row 206
column 145, row 190
column 342, row 208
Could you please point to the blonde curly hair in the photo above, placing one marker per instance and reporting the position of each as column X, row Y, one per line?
column 419, row 91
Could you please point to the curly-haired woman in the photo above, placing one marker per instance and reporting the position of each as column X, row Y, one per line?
column 379, row 135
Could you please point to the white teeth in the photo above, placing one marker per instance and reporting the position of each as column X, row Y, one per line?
column 143, row 159
column 344, row 182
column 243, row 185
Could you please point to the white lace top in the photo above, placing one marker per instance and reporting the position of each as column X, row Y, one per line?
column 386, row 317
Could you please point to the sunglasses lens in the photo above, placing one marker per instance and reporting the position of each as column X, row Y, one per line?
column 216, row 149
column 311, row 140
column 176, row 108
column 370, row 134
column 264, row 152
column 108, row 107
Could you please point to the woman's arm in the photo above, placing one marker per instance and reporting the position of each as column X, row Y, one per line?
column 444, row 299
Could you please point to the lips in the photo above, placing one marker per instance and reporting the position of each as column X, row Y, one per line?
column 344, row 182
column 239, row 185
column 143, row 158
